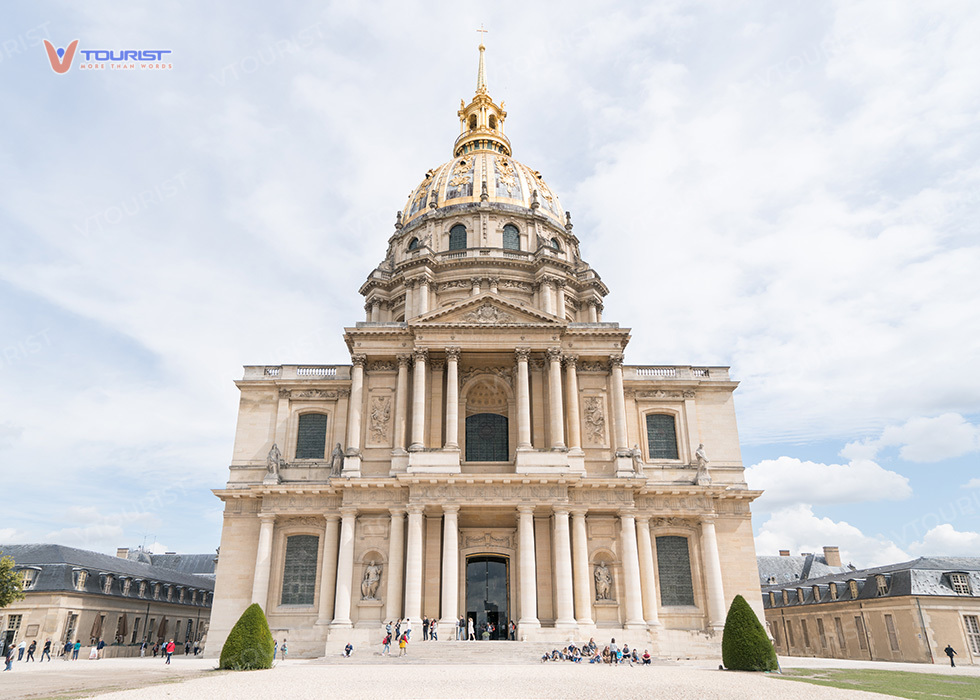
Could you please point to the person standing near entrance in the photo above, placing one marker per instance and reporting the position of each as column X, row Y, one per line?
column 425, row 629
column 75, row 649
column 950, row 652
column 461, row 629
column 470, row 631
column 513, row 631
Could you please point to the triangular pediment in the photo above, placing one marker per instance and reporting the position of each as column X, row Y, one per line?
column 486, row 309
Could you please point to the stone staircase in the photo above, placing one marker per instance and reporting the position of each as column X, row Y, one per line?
column 453, row 652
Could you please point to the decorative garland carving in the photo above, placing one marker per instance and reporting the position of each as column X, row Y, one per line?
column 380, row 417
column 595, row 419
column 488, row 314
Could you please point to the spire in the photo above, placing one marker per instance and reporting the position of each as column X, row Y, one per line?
column 481, row 74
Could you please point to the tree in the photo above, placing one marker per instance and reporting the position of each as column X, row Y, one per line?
column 249, row 645
column 11, row 583
column 745, row 646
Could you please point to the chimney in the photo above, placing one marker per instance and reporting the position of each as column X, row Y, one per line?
column 122, row 552
column 832, row 555
column 784, row 552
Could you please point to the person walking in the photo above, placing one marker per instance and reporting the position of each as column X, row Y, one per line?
column 283, row 650
column 100, row 648
column 275, row 649
column 425, row 629
column 433, row 631
column 386, row 645
column 461, row 629
column 31, row 649
column 408, row 628
column 46, row 650
column 76, row 647
column 9, row 659
column 403, row 645
column 950, row 652
column 187, row 648
column 20, row 650
column 170, row 649
column 143, row 649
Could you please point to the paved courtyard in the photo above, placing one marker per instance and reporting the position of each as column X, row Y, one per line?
column 370, row 676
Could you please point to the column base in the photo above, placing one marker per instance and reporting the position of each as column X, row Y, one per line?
column 416, row 447
column 352, row 466
column 635, row 626
column 565, row 624
column 399, row 462
column 322, row 622
column 272, row 479
column 576, row 460
column 341, row 625
column 434, row 462
column 541, row 462
column 624, row 466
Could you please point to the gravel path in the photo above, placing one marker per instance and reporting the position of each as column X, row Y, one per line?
column 299, row 680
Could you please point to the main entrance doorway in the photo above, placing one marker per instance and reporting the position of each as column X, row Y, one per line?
column 487, row 595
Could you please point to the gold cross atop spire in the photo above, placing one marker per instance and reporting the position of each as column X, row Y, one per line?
column 481, row 75
column 482, row 31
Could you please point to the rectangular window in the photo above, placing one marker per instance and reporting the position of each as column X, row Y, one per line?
column 841, row 639
column 674, row 567
column 299, row 570
column 70, row 627
column 29, row 578
column 972, row 623
column 775, row 634
column 960, row 583
column 13, row 622
column 862, row 638
column 661, row 436
column 136, row 630
column 790, row 639
column 806, row 634
column 311, row 439
column 892, row 635
column 822, row 632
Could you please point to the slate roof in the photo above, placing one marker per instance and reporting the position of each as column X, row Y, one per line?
column 200, row 564
column 788, row 570
column 925, row 576
column 57, row 564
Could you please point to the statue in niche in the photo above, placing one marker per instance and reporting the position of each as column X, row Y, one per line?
column 336, row 461
column 274, row 460
column 703, row 478
column 637, row 460
column 603, row 582
column 371, row 581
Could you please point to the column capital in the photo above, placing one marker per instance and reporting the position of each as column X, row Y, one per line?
column 349, row 511
column 437, row 365
column 525, row 510
column 450, row 509
column 571, row 361
column 420, row 354
column 331, row 517
column 358, row 360
column 554, row 354
column 708, row 518
column 343, row 393
column 643, row 520
column 453, row 353
column 578, row 512
column 423, row 281
column 616, row 361
column 625, row 513
column 397, row 512
column 267, row 517
column 415, row 509
column 404, row 360
column 560, row 509
column 558, row 282
column 522, row 354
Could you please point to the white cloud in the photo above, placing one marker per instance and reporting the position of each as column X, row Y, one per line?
column 797, row 529
column 946, row 540
column 973, row 483
column 788, row 480
column 922, row 439
column 11, row 535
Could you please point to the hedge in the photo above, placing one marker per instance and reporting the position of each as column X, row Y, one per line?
column 249, row 645
column 745, row 646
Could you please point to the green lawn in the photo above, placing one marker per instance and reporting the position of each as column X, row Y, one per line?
column 902, row 684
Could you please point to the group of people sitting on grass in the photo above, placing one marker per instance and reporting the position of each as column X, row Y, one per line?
column 610, row 654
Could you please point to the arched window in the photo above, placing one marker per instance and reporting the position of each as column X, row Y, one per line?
column 661, row 436
column 486, row 438
column 674, row 568
column 457, row 237
column 413, row 244
column 512, row 237
column 311, row 437
column 472, row 122
column 555, row 244
column 299, row 569
column 493, row 122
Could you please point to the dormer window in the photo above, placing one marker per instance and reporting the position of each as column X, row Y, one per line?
column 960, row 583
column 80, row 576
column 555, row 244
column 882, row 584
column 801, row 595
column 142, row 589
column 127, row 585
column 853, row 586
column 107, row 584
column 413, row 244
column 785, row 597
column 833, row 591
column 772, row 599
column 816, row 594
column 29, row 578
column 771, row 580
column 511, row 238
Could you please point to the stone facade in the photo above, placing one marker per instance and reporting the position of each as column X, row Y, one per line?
column 490, row 435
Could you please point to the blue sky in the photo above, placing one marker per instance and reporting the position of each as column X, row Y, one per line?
column 789, row 188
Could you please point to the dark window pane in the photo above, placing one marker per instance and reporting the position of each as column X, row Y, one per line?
column 512, row 237
column 674, row 566
column 413, row 244
column 457, row 237
column 299, row 572
column 486, row 438
column 661, row 436
column 312, row 436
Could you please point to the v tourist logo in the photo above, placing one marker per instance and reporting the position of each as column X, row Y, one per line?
column 60, row 58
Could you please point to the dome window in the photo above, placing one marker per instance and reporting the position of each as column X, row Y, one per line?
column 493, row 122
column 555, row 244
column 512, row 237
column 472, row 122
column 457, row 237
column 413, row 244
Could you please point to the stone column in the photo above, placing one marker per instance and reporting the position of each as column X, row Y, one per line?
column 401, row 403
column 555, row 409
column 523, row 400
column 593, row 314
column 423, row 296
column 396, row 562
column 712, row 570
column 560, row 298
column 476, row 281
column 580, row 568
column 452, row 398
column 418, row 401
column 376, row 310
column 598, row 312
column 450, row 566
column 631, row 570
column 356, row 406
column 571, row 401
column 528, row 577
column 565, row 613
column 413, row 567
column 619, row 405
column 367, row 312
column 345, row 569
column 648, row 579
column 263, row 560
column 548, row 295
column 409, row 299
column 493, row 282
column 328, row 569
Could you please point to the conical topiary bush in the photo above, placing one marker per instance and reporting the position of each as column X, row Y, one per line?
column 249, row 645
column 745, row 646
